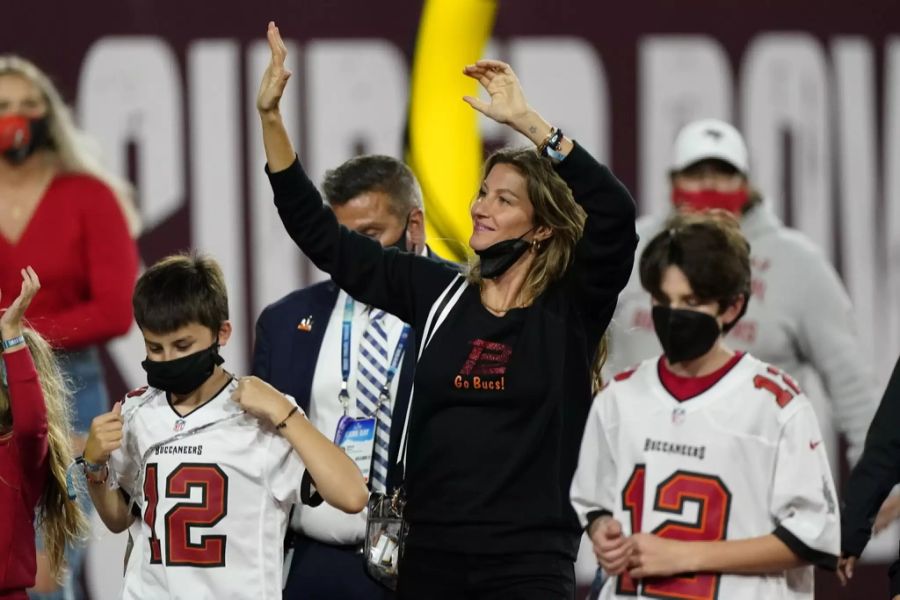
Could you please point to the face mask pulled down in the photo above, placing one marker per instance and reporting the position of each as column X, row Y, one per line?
column 684, row 334
column 20, row 137
column 497, row 258
column 183, row 375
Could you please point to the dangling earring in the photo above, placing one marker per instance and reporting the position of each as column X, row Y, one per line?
column 535, row 245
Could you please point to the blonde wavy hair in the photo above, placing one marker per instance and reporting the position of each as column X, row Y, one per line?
column 555, row 208
column 75, row 151
column 61, row 520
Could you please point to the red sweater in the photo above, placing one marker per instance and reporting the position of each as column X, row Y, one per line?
column 78, row 243
column 24, row 463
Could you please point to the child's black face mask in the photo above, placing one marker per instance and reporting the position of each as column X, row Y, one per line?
column 183, row 375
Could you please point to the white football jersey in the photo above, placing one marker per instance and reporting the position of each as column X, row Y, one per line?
column 214, row 489
column 741, row 460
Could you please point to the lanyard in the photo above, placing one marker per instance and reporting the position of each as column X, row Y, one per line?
column 344, row 395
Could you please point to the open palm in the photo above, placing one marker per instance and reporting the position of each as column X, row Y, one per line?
column 12, row 316
column 275, row 76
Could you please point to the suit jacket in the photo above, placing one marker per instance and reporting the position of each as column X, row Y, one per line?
column 286, row 356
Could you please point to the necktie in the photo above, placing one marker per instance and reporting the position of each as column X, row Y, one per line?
column 373, row 368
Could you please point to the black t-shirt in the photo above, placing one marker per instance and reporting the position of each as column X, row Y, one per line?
column 476, row 379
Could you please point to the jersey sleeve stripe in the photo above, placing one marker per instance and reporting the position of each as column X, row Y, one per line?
column 811, row 555
column 594, row 515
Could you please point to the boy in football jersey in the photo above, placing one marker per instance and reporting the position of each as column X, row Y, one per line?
column 200, row 466
column 702, row 473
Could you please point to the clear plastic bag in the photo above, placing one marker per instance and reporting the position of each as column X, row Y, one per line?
column 385, row 538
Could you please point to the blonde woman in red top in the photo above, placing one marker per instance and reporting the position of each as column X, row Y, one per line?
column 34, row 451
column 74, row 223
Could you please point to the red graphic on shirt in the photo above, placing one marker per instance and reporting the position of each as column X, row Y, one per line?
column 485, row 367
column 486, row 358
column 760, row 264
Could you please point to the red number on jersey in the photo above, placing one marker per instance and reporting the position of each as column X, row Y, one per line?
column 152, row 497
column 633, row 501
column 212, row 507
column 782, row 396
column 714, row 502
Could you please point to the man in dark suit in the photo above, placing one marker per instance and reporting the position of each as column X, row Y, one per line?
column 317, row 341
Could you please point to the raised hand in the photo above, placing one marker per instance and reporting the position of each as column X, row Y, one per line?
column 507, row 103
column 275, row 76
column 11, row 320
column 105, row 435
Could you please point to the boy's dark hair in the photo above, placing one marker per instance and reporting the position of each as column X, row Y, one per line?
column 179, row 290
column 712, row 253
column 374, row 173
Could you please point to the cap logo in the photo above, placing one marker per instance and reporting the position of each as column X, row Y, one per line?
column 714, row 134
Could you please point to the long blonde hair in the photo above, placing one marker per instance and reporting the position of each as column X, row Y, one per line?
column 75, row 151
column 61, row 520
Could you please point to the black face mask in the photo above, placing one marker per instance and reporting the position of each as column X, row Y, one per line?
column 497, row 258
column 183, row 375
column 21, row 137
column 684, row 334
column 400, row 244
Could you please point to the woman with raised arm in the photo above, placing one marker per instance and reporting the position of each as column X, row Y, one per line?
column 503, row 382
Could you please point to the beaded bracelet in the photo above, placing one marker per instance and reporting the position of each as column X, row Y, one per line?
column 550, row 147
column 94, row 468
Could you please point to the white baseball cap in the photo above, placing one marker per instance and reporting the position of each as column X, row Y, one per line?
column 710, row 138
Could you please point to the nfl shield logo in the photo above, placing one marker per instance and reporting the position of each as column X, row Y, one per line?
column 678, row 416
column 179, row 425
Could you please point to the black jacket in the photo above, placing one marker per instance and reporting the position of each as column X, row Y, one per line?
column 562, row 329
column 876, row 473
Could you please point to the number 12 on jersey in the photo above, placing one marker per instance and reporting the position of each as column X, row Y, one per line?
column 713, row 502
column 211, row 508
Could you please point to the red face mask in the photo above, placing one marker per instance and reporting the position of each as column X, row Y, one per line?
column 20, row 137
column 14, row 132
column 702, row 200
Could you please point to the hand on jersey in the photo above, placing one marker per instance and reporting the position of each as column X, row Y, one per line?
column 261, row 400
column 612, row 549
column 276, row 76
column 653, row 556
column 105, row 436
